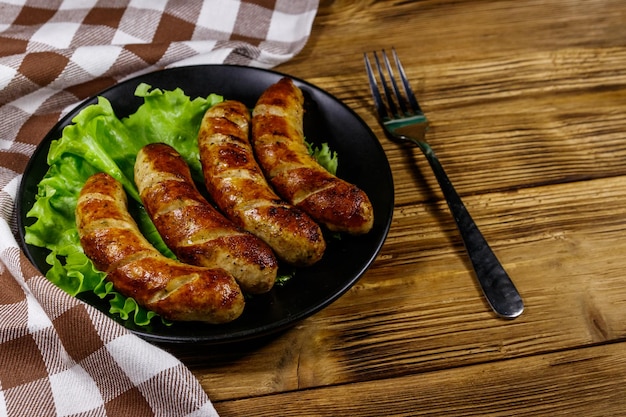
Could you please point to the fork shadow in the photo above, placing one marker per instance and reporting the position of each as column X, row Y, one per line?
column 419, row 168
column 421, row 174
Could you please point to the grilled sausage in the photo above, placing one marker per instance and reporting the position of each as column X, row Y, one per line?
column 111, row 239
column 237, row 185
column 278, row 142
column 195, row 231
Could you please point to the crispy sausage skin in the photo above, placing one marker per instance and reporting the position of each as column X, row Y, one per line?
column 111, row 239
column 278, row 142
column 237, row 185
column 195, row 231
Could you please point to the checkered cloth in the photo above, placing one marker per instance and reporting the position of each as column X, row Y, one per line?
column 59, row 356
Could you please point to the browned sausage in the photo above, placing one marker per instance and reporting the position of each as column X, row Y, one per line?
column 195, row 231
column 237, row 185
column 111, row 239
column 278, row 142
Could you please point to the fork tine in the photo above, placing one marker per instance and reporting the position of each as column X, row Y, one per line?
column 395, row 96
column 392, row 106
column 407, row 87
column 378, row 100
column 394, row 85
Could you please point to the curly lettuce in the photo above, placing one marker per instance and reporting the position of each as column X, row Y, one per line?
column 97, row 140
column 324, row 156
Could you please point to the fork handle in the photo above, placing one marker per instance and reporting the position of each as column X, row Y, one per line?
column 496, row 284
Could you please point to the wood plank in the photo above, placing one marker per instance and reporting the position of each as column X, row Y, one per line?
column 562, row 245
column 589, row 382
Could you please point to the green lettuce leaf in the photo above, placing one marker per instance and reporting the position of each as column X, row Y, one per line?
column 171, row 117
column 324, row 156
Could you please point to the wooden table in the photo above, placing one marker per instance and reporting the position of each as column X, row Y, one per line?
column 526, row 101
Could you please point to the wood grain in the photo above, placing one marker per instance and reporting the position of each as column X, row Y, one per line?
column 547, row 384
column 421, row 310
column 525, row 100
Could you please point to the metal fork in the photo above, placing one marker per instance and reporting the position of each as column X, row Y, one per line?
column 403, row 120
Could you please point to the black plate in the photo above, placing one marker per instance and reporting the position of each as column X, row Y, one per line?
column 361, row 161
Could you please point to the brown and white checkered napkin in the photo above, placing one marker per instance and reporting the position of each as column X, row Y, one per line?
column 59, row 356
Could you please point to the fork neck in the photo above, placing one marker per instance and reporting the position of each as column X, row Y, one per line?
column 411, row 128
